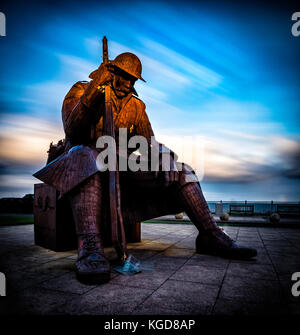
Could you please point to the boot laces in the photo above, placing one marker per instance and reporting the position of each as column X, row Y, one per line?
column 91, row 243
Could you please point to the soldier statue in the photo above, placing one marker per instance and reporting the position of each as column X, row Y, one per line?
column 141, row 195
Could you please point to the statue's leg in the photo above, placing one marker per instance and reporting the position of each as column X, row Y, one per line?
column 196, row 207
column 85, row 199
column 211, row 239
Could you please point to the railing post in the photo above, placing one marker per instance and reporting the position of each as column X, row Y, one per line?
column 271, row 211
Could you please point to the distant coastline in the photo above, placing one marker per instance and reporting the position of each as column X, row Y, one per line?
column 25, row 205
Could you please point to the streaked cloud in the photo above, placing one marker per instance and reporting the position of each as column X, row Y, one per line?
column 220, row 160
column 196, row 74
column 225, row 87
column 75, row 68
column 25, row 139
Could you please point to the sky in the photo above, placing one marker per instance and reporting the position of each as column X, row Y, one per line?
column 222, row 86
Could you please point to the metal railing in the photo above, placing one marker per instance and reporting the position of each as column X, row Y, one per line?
column 259, row 207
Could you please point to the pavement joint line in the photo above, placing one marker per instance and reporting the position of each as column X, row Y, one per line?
column 295, row 245
column 221, row 285
column 51, row 290
column 65, row 292
column 281, row 238
column 42, row 282
column 50, row 261
column 173, row 309
column 192, row 281
column 277, row 275
column 132, row 286
column 188, row 258
column 162, row 250
column 56, row 277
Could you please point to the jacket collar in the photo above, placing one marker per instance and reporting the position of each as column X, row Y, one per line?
column 120, row 104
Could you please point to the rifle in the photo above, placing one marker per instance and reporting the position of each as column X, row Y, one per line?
column 117, row 227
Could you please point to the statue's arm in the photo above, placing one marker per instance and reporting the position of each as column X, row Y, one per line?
column 83, row 106
column 144, row 127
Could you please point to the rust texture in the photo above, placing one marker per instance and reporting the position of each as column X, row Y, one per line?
column 105, row 202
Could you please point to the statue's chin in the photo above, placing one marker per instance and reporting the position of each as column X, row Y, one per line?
column 121, row 94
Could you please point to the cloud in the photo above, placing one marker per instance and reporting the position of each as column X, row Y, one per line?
column 289, row 152
column 152, row 68
column 47, row 97
column 237, row 157
column 163, row 67
column 25, row 140
column 253, row 159
column 75, row 68
column 218, row 158
column 229, row 139
column 16, row 185
column 195, row 73
column 219, row 108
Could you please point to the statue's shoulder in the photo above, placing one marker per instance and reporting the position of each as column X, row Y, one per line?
column 77, row 89
column 139, row 103
column 80, row 85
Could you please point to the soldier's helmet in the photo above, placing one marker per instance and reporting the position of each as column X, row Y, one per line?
column 129, row 63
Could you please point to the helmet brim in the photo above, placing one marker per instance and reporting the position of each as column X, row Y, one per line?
column 133, row 75
column 93, row 74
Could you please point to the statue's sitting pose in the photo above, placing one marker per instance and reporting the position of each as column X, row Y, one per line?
column 144, row 194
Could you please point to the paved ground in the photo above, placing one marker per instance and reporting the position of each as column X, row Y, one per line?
column 175, row 280
column 247, row 220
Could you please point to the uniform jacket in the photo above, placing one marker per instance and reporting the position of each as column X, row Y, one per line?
column 78, row 162
column 141, row 198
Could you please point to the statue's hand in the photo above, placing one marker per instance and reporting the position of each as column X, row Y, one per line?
column 172, row 175
column 166, row 165
column 103, row 75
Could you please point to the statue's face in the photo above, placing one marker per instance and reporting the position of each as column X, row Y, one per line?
column 123, row 83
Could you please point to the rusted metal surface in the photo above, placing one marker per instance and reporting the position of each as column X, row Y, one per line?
column 53, row 221
column 101, row 107
column 103, row 201
column 54, row 226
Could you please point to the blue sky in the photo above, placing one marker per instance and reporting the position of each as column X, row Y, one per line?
column 222, row 86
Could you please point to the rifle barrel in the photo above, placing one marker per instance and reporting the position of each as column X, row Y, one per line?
column 105, row 50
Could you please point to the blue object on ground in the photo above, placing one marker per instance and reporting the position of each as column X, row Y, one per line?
column 130, row 266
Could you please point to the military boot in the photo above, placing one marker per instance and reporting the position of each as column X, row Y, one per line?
column 211, row 239
column 216, row 242
column 91, row 267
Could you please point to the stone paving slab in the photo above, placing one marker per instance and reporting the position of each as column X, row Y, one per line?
column 238, row 220
column 175, row 280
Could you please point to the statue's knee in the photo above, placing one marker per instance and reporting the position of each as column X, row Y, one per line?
column 187, row 175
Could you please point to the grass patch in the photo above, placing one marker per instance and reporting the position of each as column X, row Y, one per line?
column 13, row 220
